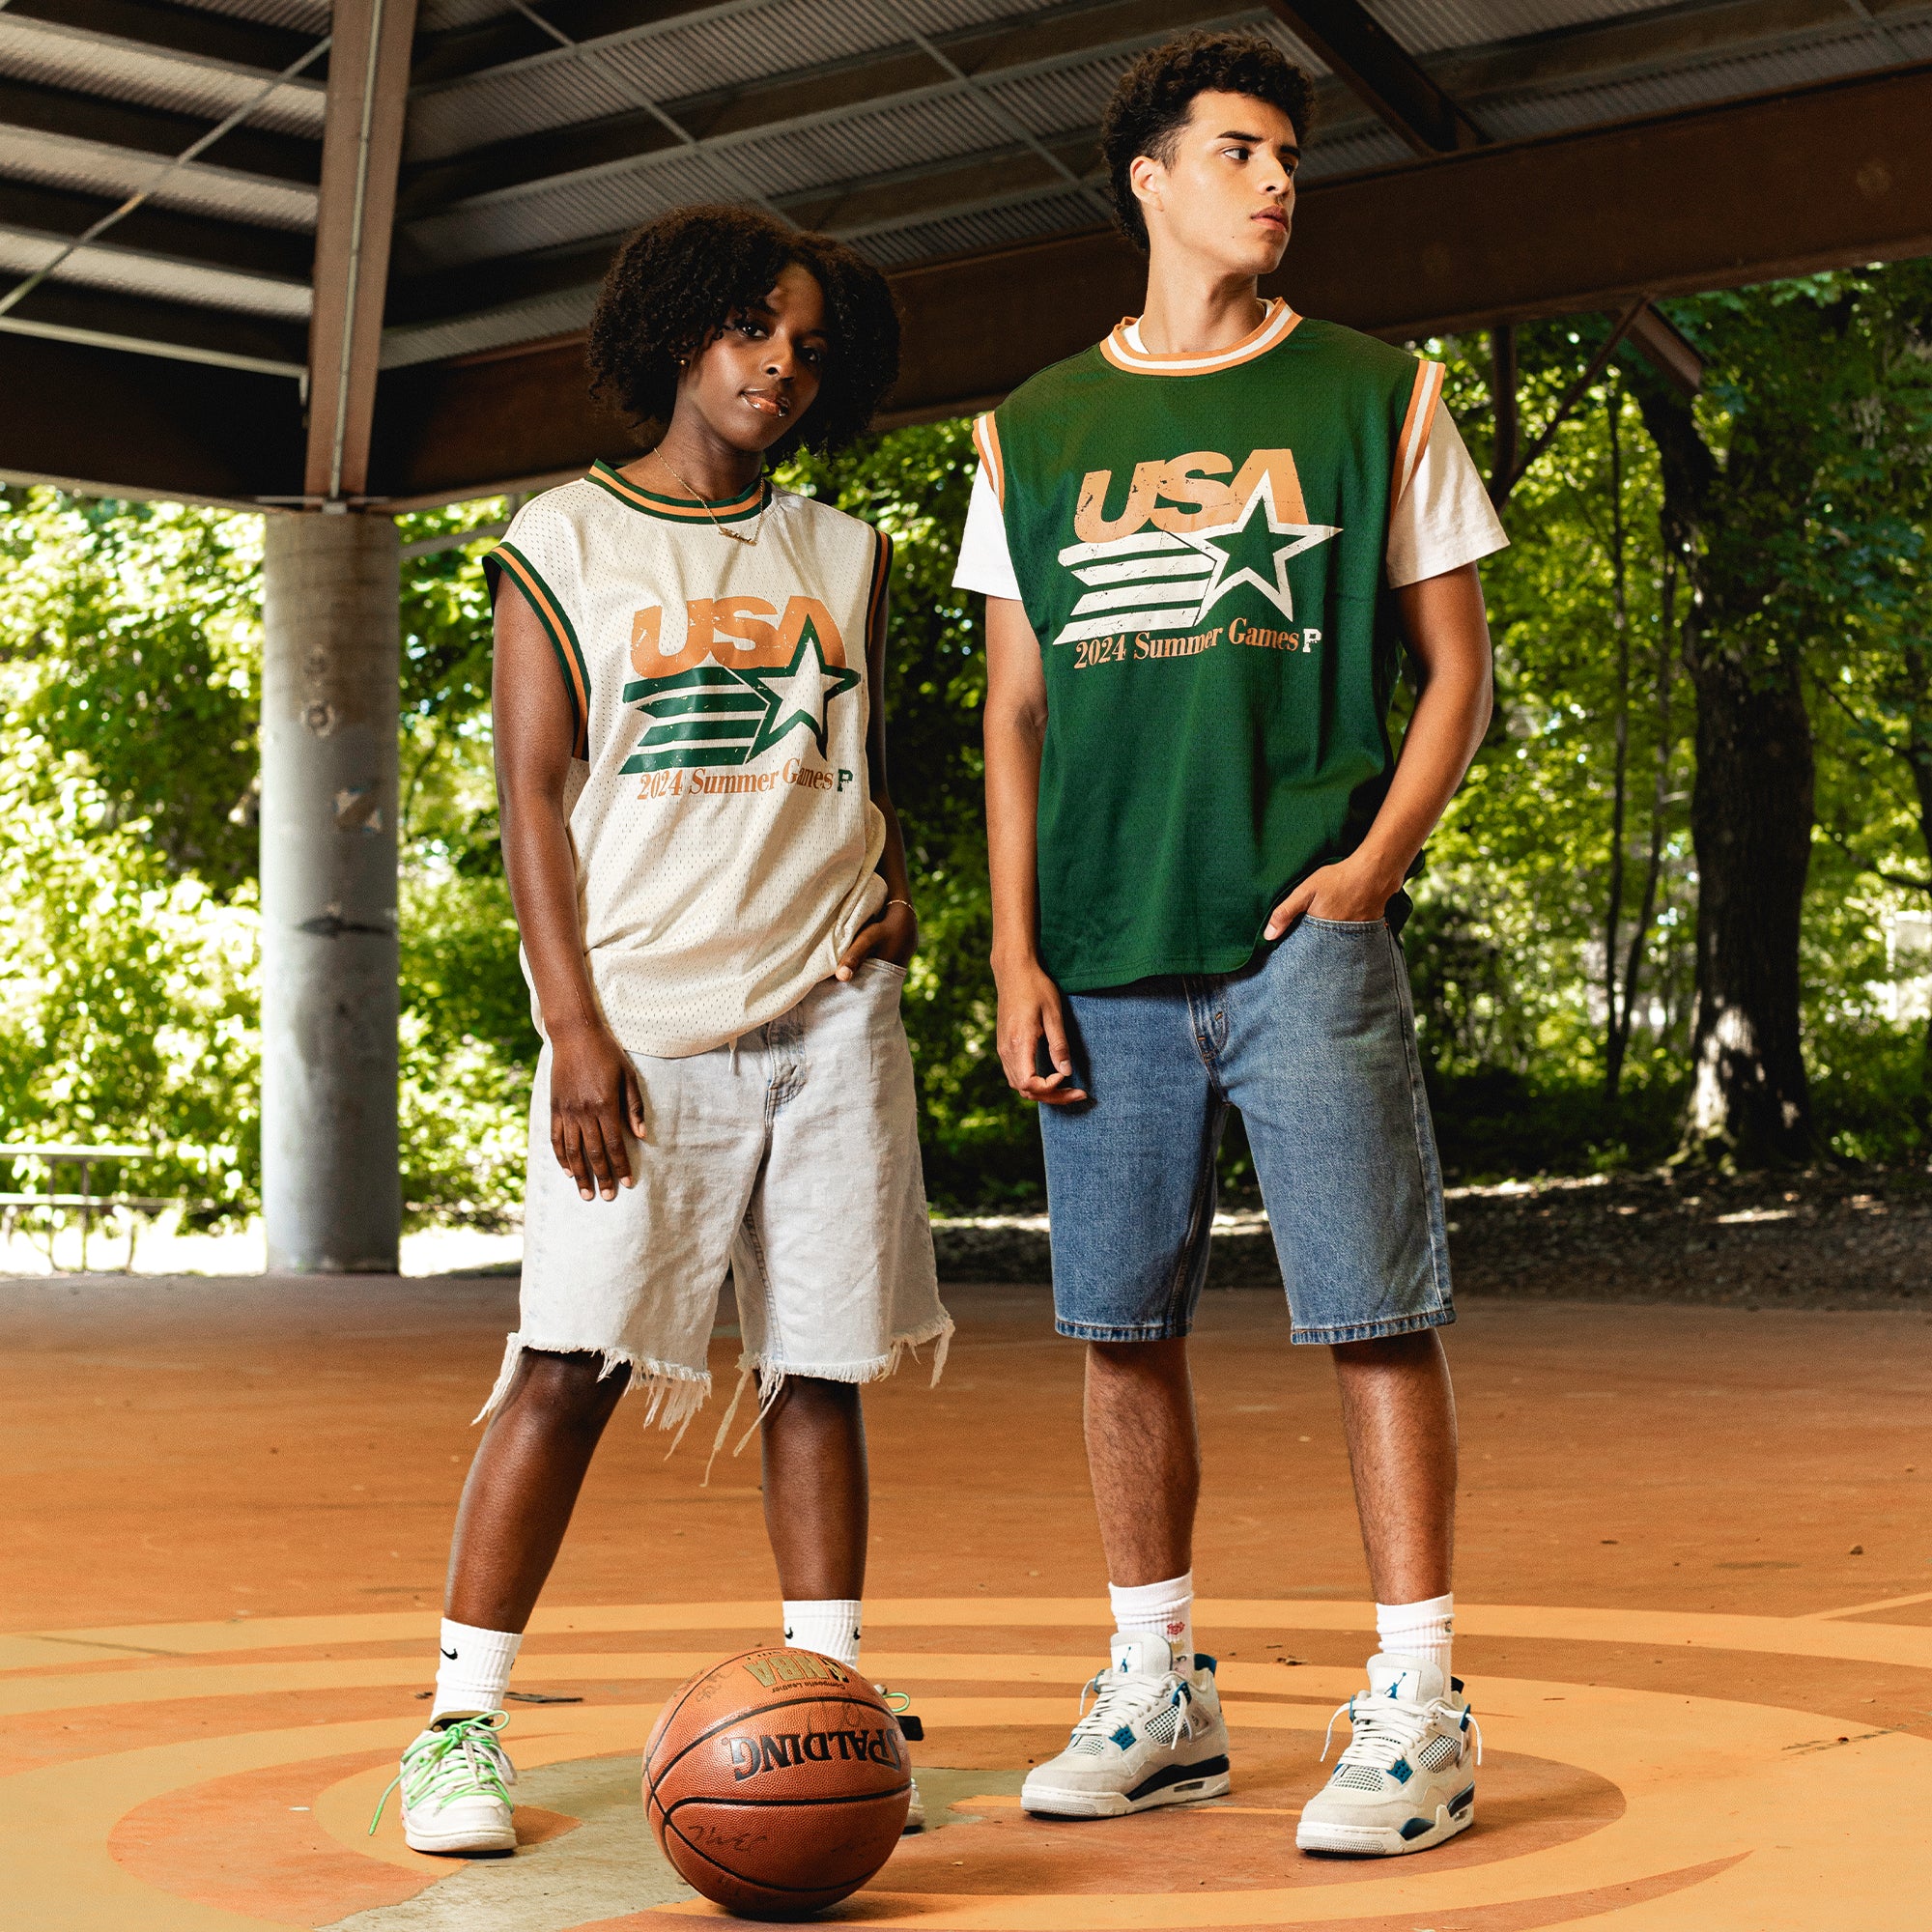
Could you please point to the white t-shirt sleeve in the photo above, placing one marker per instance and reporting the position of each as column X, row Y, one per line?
column 1444, row 518
column 985, row 564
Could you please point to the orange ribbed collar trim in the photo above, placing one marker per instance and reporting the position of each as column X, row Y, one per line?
column 1273, row 329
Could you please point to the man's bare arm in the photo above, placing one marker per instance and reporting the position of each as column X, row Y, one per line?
column 1015, row 725
column 1449, row 636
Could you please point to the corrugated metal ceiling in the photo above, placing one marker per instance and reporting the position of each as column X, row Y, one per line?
column 1430, row 26
column 58, row 160
column 933, row 168
column 88, row 63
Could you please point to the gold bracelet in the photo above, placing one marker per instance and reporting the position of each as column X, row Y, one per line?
column 907, row 903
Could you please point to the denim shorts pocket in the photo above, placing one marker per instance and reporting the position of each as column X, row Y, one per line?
column 1345, row 924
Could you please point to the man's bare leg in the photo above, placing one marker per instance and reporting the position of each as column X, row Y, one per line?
column 1399, row 1417
column 1144, row 1456
column 1406, row 1779
column 1128, row 1753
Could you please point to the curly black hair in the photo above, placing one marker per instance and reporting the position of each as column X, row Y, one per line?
column 1151, row 104
column 678, row 283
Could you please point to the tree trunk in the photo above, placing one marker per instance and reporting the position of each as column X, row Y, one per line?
column 1667, row 659
column 1917, row 756
column 1616, row 1032
column 1751, row 821
column 1752, row 802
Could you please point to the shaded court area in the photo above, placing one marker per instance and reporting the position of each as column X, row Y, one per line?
column 1696, row 1611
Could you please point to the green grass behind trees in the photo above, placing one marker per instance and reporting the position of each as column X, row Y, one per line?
column 1552, row 948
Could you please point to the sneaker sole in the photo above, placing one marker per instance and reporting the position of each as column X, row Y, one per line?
column 502, row 1839
column 1049, row 1803
column 1379, row 1842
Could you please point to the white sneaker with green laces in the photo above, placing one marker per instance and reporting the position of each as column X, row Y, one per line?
column 455, row 1783
column 900, row 1704
column 1154, row 1736
column 1406, row 1781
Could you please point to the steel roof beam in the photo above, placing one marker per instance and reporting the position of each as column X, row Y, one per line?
column 361, row 150
column 90, row 420
column 769, row 105
column 149, row 130
column 178, row 332
column 856, row 207
column 505, row 38
column 180, row 30
column 1714, row 197
column 1375, row 65
column 161, row 231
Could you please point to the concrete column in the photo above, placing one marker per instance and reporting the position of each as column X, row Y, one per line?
column 331, row 1187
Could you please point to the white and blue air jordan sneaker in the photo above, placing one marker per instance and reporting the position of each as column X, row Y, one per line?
column 1408, row 1779
column 1153, row 1735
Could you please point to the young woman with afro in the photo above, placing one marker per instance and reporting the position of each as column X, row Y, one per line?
column 716, row 920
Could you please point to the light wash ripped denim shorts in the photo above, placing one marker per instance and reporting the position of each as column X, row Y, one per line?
column 1314, row 1044
column 789, row 1158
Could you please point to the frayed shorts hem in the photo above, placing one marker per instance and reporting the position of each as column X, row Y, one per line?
column 873, row 1369
column 1373, row 1331
column 673, row 1392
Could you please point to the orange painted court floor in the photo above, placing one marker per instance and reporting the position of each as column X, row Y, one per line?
column 1694, row 1593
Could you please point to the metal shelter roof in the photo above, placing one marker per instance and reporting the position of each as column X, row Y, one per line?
column 371, row 283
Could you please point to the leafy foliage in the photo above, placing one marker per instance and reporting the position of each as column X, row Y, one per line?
column 1562, row 887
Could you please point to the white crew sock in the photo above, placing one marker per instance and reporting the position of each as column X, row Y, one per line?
column 474, row 1670
column 1419, row 1629
column 829, row 1625
column 1165, row 1610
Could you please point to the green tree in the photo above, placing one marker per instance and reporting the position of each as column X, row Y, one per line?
column 979, row 1141
column 1789, row 495
column 127, row 643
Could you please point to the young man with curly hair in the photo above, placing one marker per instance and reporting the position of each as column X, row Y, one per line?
column 711, row 889
column 1205, row 544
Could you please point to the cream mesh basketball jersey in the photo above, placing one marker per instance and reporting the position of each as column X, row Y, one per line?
column 724, row 832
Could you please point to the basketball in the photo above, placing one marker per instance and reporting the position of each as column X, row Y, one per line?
column 777, row 1782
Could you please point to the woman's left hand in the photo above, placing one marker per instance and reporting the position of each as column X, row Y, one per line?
column 893, row 935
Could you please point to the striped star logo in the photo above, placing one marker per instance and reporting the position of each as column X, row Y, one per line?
column 799, row 693
column 715, row 715
column 1249, row 550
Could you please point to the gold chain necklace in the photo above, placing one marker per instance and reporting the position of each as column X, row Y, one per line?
column 757, row 530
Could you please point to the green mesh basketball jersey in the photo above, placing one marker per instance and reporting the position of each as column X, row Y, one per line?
column 1198, row 542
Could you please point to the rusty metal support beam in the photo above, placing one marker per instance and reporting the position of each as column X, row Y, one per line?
column 1376, row 66
column 99, row 419
column 362, row 151
column 1503, row 402
column 1503, row 480
column 1667, row 351
column 1714, row 197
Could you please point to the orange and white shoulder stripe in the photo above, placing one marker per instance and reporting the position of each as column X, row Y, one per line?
column 1125, row 351
column 1423, row 396
column 986, row 441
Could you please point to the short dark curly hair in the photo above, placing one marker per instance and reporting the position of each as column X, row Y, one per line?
column 678, row 281
column 1153, row 102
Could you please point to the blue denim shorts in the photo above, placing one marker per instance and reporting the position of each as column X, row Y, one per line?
column 1314, row 1044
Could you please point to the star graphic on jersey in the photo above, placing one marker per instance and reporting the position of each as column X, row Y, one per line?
column 1248, row 550
column 797, row 694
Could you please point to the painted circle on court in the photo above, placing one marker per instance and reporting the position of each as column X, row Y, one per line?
column 1674, row 1811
